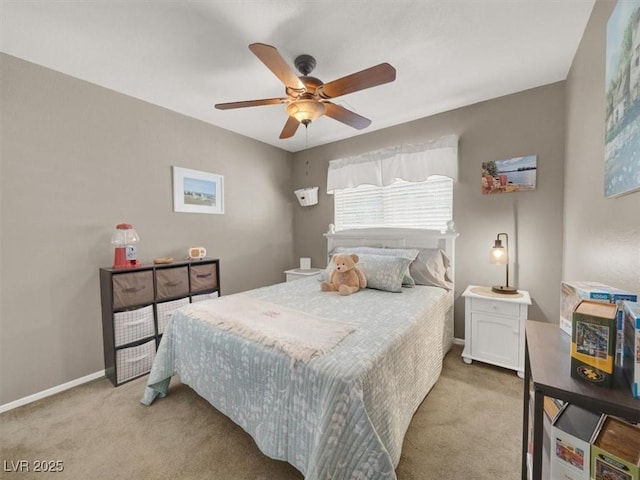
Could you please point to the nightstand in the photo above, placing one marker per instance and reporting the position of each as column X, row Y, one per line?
column 494, row 327
column 298, row 273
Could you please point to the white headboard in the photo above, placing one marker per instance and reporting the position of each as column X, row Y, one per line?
column 396, row 237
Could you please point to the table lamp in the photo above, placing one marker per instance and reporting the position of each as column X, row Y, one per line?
column 499, row 255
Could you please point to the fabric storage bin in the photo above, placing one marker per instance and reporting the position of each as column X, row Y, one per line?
column 172, row 282
column 166, row 309
column 205, row 296
column 133, row 325
column 132, row 288
column 204, row 277
column 134, row 361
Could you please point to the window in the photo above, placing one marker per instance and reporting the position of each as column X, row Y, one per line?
column 402, row 204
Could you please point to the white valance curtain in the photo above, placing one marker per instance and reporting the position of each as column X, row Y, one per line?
column 410, row 162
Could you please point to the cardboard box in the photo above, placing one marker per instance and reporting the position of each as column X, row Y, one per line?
column 571, row 434
column 631, row 348
column 593, row 342
column 573, row 292
column 615, row 450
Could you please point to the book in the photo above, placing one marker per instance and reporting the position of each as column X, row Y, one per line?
column 631, row 350
column 575, row 291
column 571, row 433
column 552, row 406
column 615, row 450
column 593, row 342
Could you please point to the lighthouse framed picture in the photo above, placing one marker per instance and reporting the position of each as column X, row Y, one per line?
column 195, row 191
column 622, row 124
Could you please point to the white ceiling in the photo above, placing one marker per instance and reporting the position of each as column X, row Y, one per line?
column 188, row 55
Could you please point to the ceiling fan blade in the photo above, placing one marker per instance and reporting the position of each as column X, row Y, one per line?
column 346, row 116
column 370, row 77
column 274, row 62
column 290, row 128
column 249, row 103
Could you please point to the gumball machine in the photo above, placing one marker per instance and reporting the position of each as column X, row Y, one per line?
column 125, row 239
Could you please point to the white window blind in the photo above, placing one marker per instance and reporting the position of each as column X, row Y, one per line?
column 402, row 204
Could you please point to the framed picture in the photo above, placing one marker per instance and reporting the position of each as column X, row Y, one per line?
column 197, row 192
column 516, row 174
column 622, row 84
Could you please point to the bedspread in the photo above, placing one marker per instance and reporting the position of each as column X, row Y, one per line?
column 339, row 416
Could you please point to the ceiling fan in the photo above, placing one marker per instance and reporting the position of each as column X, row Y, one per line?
column 307, row 97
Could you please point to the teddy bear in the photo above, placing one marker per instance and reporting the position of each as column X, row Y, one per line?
column 346, row 278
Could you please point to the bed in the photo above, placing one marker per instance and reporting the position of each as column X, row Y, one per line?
column 334, row 410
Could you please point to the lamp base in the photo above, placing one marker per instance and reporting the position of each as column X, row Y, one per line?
column 504, row 289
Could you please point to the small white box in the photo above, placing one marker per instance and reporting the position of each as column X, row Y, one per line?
column 305, row 263
column 571, row 433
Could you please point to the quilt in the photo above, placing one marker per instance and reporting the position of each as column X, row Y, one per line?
column 340, row 415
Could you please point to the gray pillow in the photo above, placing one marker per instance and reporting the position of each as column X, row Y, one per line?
column 383, row 272
column 431, row 268
column 408, row 253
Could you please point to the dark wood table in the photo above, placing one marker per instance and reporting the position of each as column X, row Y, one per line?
column 548, row 373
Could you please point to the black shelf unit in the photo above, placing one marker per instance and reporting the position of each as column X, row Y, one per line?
column 548, row 373
column 129, row 290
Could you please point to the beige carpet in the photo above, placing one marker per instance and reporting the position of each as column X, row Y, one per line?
column 468, row 427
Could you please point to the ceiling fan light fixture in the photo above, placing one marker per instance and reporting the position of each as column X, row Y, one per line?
column 305, row 110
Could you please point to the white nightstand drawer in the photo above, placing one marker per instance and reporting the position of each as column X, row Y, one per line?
column 495, row 307
column 297, row 273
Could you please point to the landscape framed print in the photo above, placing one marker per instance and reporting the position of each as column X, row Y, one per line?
column 195, row 191
column 622, row 121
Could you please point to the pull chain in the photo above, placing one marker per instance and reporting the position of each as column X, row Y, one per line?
column 306, row 149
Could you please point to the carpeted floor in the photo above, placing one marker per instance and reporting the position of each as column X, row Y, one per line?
column 468, row 427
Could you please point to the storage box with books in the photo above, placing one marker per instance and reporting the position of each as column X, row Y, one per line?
column 631, row 350
column 615, row 450
column 573, row 292
column 571, row 435
column 593, row 340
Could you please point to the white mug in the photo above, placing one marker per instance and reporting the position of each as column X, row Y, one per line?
column 197, row 252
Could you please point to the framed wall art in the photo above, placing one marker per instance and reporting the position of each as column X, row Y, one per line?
column 516, row 174
column 197, row 192
column 622, row 123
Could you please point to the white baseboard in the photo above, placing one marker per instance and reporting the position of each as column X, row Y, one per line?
column 51, row 391
column 79, row 381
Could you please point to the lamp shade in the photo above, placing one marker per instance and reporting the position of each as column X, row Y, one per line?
column 305, row 111
column 498, row 255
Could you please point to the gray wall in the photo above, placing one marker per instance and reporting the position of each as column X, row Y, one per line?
column 76, row 160
column 529, row 122
column 602, row 236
